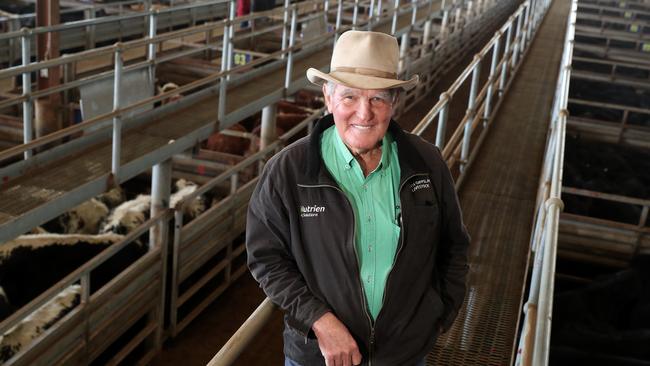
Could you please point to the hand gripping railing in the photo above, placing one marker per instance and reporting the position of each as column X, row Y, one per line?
column 527, row 21
column 534, row 342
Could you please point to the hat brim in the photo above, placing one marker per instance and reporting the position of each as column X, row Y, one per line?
column 359, row 81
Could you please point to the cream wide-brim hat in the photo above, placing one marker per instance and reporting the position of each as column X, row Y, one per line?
column 364, row 60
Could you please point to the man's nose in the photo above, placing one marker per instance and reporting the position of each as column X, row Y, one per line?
column 364, row 110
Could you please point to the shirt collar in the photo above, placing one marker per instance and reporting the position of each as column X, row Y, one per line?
column 346, row 156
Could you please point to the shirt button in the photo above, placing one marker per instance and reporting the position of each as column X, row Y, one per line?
column 347, row 166
column 370, row 247
column 365, row 187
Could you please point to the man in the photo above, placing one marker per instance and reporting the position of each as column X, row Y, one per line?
column 355, row 231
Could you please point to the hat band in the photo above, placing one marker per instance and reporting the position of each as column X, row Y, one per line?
column 366, row 71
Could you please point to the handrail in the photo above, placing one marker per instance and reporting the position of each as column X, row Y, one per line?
column 460, row 149
column 235, row 345
column 244, row 335
column 534, row 341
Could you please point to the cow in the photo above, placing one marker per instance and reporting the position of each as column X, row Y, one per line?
column 30, row 264
column 82, row 219
column 228, row 144
column 128, row 215
column 35, row 324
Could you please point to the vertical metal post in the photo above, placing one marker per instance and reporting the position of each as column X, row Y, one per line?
column 326, row 8
column 379, row 4
column 151, row 49
column 28, row 103
column 90, row 13
column 160, row 191
column 426, row 35
column 339, row 13
column 292, row 39
column 84, row 302
column 268, row 132
column 393, row 27
column 531, row 19
column 414, row 14
column 13, row 45
column 234, row 183
column 403, row 52
column 178, row 225
column 515, row 47
column 488, row 97
column 231, row 34
column 504, row 65
column 471, row 105
column 442, row 121
column 371, row 14
column 223, row 81
column 524, row 29
column 444, row 24
column 284, row 25
column 117, row 120
column 355, row 14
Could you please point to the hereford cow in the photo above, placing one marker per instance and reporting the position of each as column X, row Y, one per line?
column 31, row 264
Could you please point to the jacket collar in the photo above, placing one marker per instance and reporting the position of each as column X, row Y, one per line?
column 409, row 159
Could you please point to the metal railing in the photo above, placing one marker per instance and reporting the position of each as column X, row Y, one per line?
column 224, row 77
column 527, row 18
column 90, row 303
column 94, row 29
column 534, row 342
column 483, row 100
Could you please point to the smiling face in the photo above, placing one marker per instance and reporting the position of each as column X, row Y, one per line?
column 361, row 116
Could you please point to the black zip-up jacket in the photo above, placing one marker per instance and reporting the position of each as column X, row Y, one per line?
column 300, row 238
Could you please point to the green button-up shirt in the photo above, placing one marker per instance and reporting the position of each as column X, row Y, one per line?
column 375, row 201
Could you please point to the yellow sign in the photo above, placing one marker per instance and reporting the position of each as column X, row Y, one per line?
column 634, row 28
column 645, row 47
column 241, row 58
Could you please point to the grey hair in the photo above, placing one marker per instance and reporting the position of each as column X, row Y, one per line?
column 330, row 86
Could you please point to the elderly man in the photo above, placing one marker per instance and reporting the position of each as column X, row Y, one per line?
column 355, row 231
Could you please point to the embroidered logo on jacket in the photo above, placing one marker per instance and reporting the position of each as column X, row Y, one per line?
column 311, row 211
column 420, row 184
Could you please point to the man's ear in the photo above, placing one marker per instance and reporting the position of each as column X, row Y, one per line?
column 328, row 98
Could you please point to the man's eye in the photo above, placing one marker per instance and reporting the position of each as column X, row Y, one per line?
column 378, row 101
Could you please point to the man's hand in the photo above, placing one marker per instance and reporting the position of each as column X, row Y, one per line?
column 335, row 342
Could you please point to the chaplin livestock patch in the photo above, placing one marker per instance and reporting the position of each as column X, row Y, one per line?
column 419, row 184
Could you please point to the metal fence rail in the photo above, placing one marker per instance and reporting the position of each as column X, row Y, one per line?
column 534, row 343
column 90, row 31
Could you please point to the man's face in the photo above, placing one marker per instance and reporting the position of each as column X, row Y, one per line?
column 361, row 116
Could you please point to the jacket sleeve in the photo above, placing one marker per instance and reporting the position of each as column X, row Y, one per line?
column 452, row 252
column 270, row 259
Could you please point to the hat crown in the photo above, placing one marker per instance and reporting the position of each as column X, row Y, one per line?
column 366, row 50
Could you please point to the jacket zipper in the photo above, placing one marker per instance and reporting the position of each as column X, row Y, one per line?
column 356, row 255
column 401, row 241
